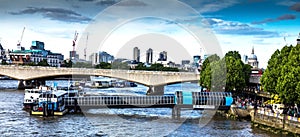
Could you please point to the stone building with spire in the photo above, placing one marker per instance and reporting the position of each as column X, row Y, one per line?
column 252, row 60
column 254, row 84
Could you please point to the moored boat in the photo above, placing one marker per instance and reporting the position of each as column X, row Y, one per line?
column 31, row 96
column 50, row 103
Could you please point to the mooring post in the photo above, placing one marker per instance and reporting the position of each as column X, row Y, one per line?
column 75, row 105
column 31, row 108
column 44, row 109
column 52, row 111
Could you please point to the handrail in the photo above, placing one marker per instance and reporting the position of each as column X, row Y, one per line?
column 278, row 116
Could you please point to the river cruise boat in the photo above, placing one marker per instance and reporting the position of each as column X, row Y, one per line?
column 50, row 103
column 31, row 96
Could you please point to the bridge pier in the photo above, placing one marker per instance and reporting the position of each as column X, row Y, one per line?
column 176, row 112
column 156, row 90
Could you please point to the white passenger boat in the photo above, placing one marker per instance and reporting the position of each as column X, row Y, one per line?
column 31, row 96
column 50, row 103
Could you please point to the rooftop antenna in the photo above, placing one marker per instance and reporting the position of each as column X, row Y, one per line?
column 86, row 43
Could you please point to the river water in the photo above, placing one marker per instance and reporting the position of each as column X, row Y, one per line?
column 14, row 121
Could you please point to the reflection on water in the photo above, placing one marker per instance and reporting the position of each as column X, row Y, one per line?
column 14, row 121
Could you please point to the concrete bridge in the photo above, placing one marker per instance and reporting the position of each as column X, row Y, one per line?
column 155, row 80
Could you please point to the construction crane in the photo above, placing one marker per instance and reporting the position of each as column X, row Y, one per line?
column 74, row 42
column 86, row 43
column 19, row 42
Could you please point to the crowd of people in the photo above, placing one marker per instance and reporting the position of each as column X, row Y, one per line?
column 244, row 103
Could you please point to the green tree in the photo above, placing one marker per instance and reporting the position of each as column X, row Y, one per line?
column 282, row 76
column 156, row 67
column 103, row 65
column 289, row 81
column 270, row 77
column 43, row 63
column 235, row 77
column 120, row 65
column 140, row 66
column 247, row 72
column 234, row 54
column 205, row 75
column 209, row 60
column 82, row 65
column 31, row 64
column 218, row 75
column 67, row 63
column 4, row 62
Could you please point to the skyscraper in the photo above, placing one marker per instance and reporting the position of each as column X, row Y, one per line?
column 136, row 54
column 149, row 56
column 162, row 56
column 105, row 57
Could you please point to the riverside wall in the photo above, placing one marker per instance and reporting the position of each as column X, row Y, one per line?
column 276, row 123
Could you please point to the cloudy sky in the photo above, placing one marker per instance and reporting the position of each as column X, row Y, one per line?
column 199, row 26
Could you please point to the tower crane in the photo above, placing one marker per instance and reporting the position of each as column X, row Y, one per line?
column 19, row 42
column 74, row 42
column 86, row 43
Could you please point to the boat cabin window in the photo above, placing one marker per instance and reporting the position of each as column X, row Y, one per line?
column 47, row 96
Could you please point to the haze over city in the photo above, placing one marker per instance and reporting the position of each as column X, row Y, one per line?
column 238, row 25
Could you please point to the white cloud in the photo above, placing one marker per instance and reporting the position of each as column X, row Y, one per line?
column 205, row 6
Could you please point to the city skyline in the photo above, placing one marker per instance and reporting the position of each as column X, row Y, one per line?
column 272, row 24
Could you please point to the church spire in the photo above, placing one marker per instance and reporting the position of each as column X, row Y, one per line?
column 252, row 50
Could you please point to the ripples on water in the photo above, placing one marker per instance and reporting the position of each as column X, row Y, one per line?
column 14, row 121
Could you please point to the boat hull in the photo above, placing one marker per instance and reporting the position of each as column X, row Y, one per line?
column 56, row 113
column 28, row 105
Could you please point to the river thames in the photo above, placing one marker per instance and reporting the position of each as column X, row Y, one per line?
column 14, row 121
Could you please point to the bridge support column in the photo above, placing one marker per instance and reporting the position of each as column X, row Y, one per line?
column 156, row 90
column 176, row 112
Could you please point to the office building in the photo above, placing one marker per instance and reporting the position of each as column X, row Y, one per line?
column 149, row 56
column 162, row 56
column 136, row 54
